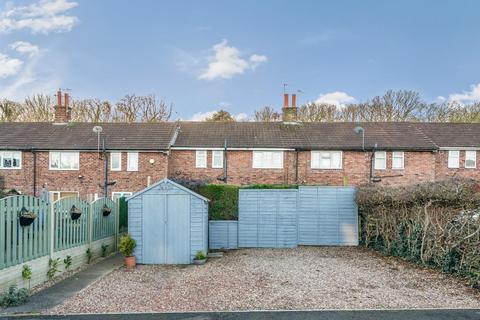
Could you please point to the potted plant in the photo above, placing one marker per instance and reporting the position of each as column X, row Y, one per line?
column 106, row 210
column 126, row 247
column 26, row 217
column 200, row 258
column 75, row 213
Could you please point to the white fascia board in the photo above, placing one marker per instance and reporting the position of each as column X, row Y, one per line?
column 234, row 149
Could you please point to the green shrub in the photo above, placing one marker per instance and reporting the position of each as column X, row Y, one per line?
column 67, row 262
column 26, row 272
column 104, row 250
column 52, row 267
column 13, row 297
column 223, row 203
column 200, row 255
column 89, row 255
column 127, row 245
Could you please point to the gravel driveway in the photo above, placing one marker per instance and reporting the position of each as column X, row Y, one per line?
column 300, row 278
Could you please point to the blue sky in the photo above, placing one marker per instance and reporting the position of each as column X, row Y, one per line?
column 206, row 55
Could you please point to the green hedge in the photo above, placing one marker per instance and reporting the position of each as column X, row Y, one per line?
column 224, row 198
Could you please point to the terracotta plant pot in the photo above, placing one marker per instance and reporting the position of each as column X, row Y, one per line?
column 130, row 262
column 199, row 262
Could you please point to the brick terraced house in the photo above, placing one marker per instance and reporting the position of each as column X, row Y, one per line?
column 69, row 158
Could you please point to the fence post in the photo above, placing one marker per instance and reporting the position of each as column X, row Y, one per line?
column 117, row 222
column 90, row 224
column 51, row 229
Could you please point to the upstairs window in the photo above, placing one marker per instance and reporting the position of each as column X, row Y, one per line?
column 326, row 160
column 132, row 161
column 454, row 159
column 217, row 159
column 470, row 159
column 398, row 159
column 64, row 160
column 267, row 159
column 10, row 160
column 116, row 161
column 380, row 160
column 201, row 159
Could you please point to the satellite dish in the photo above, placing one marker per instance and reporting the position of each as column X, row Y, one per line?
column 97, row 129
column 358, row 130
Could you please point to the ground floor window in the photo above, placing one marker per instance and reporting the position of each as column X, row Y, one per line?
column 57, row 195
column 120, row 194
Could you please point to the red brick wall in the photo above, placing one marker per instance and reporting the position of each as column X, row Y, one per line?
column 419, row 166
column 90, row 175
column 443, row 171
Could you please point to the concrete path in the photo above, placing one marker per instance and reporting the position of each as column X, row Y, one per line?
column 279, row 315
column 66, row 288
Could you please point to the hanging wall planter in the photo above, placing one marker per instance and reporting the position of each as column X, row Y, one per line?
column 75, row 213
column 26, row 217
column 106, row 210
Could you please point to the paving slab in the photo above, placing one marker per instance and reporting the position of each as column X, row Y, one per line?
column 66, row 288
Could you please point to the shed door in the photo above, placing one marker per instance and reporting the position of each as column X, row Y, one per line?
column 166, row 229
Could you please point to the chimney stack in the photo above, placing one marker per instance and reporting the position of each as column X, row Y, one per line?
column 289, row 113
column 62, row 109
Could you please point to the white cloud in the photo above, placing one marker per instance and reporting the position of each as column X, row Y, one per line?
column 467, row 96
column 42, row 17
column 227, row 62
column 9, row 66
column 337, row 98
column 202, row 116
column 24, row 47
column 34, row 77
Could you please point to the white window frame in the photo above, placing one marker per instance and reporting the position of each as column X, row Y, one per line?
column 119, row 161
column 319, row 154
column 451, row 158
column 13, row 153
column 218, row 152
column 400, row 155
column 63, row 152
column 377, row 153
column 262, row 153
column 474, row 158
column 129, row 165
column 121, row 194
column 51, row 193
column 198, row 162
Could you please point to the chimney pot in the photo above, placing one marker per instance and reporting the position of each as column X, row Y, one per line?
column 59, row 98
column 285, row 100
column 65, row 100
column 294, row 100
column 62, row 111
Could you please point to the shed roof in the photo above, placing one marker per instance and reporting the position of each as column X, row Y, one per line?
column 166, row 180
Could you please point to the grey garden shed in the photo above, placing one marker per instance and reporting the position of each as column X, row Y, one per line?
column 169, row 223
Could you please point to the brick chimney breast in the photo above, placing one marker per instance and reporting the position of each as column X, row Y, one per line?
column 62, row 109
column 289, row 113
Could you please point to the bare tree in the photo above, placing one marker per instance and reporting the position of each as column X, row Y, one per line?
column 38, row 108
column 267, row 114
column 132, row 108
column 317, row 112
column 92, row 110
column 9, row 110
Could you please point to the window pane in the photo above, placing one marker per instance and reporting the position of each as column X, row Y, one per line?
column 116, row 160
column 470, row 159
column 55, row 160
column 380, row 160
column 453, row 159
column 132, row 161
column 277, row 159
column 397, row 160
column 336, row 160
column 315, row 160
column 217, row 159
column 201, row 159
column 257, row 159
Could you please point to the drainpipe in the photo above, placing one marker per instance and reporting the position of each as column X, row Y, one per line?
column 105, row 185
column 296, row 166
column 225, row 170
column 34, row 172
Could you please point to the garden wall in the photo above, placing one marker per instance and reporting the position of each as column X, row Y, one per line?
column 431, row 224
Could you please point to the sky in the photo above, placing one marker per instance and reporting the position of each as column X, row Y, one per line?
column 202, row 56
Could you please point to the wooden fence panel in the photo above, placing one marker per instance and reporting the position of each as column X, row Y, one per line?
column 19, row 244
column 68, row 232
column 103, row 226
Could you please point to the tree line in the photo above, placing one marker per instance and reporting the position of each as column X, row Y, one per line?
column 401, row 105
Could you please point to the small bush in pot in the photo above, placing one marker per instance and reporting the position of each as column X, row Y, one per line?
column 26, row 217
column 200, row 258
column 126, row 247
